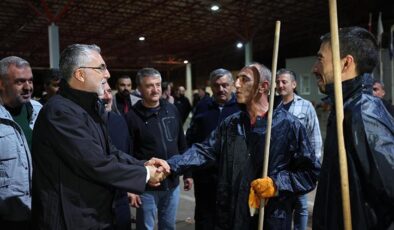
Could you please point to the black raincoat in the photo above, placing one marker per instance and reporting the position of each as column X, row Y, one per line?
column 237, row 149
column 369, row 143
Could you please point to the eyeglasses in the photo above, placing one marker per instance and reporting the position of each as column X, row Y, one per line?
column 102, row 68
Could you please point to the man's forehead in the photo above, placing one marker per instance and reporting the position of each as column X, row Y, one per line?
column 124, row 80
column 20, row 72
column 223, row 78
column 325, row 47
column 283, row 75
column 246, row 71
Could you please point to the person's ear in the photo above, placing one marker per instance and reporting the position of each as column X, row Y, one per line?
column 347, row 61
column 80, row 75
column 264, row 87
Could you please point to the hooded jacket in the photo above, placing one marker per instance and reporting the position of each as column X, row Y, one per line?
column 15, row 166
column 369, row 144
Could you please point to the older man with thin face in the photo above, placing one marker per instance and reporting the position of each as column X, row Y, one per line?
column 18, row 113
column 236, row 148
column 77, row 168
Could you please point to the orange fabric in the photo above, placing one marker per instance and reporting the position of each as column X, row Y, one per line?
column 264, row 187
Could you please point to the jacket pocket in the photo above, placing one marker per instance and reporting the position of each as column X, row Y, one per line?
column 170, row 128
column 8, row 154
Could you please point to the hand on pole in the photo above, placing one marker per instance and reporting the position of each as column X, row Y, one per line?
column 264, row 188
column 260, row 190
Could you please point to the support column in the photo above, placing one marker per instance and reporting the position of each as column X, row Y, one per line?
column 392, row 63
column 248, row 53
column 53, row 35
column 189, row 89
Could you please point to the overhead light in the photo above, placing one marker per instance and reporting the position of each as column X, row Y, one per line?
column 215, row 7
column 185, row 61
column 240, row 45
column 142, row 38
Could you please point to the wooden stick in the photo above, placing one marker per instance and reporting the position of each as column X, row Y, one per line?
column 269, row 118
column 339, row 113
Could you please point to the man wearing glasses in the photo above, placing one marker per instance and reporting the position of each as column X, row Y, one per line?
column 77, row 169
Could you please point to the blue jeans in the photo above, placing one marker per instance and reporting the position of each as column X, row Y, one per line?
column 165, row 203
column 301, row 212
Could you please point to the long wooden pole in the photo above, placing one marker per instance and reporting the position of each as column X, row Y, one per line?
column 339, row 114
column 269, row 118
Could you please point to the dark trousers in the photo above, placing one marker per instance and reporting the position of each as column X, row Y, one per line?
column 204, row 213
column 122, row 211
column 15, row 225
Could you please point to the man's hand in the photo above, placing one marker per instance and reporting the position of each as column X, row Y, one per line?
column 187, row 184
column 261, row 189
column 156, row 176
column 264, row 187
column 160, row 164
column 134, row 200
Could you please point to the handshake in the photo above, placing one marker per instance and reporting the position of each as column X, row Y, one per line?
column 158, row 170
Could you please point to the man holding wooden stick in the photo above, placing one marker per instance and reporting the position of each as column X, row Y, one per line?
column 236, row 147
column 369, row 138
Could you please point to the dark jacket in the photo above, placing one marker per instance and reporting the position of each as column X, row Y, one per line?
column 184, row 107
column 237, row 149
column 207, row 116
column 118, row 132
column 388, row 106
column 369, row 144
column 76, row 170
column 156, row 133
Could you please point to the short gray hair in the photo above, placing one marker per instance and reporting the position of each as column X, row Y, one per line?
column 146, row 72
column 75, row 56
column 6, row 62
column 293, row 75
column 263, row 71
column 218, row 73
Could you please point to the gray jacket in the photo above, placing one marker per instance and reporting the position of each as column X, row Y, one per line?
column 15, row 167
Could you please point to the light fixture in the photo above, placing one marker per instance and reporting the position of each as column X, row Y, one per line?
column 215, row 7
column 240, row 45
column 142, row 38
column 185, row 61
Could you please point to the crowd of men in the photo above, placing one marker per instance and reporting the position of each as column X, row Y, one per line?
column 83, row 156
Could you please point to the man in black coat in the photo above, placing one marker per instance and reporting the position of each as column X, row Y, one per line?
column 368, row 131
column 76, row 168
column 208, row 114
column 156, row 129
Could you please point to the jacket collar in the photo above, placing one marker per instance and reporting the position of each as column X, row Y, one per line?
column 232, row 101
column 148, row 112
column 353, row 87
column 87, row 100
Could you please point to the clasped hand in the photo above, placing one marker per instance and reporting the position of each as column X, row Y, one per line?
column 158, row 169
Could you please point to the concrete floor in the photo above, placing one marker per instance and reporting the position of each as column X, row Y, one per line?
column 185, row 214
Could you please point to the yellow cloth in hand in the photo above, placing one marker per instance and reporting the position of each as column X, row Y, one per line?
column 254, row 202
column 264, row 188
